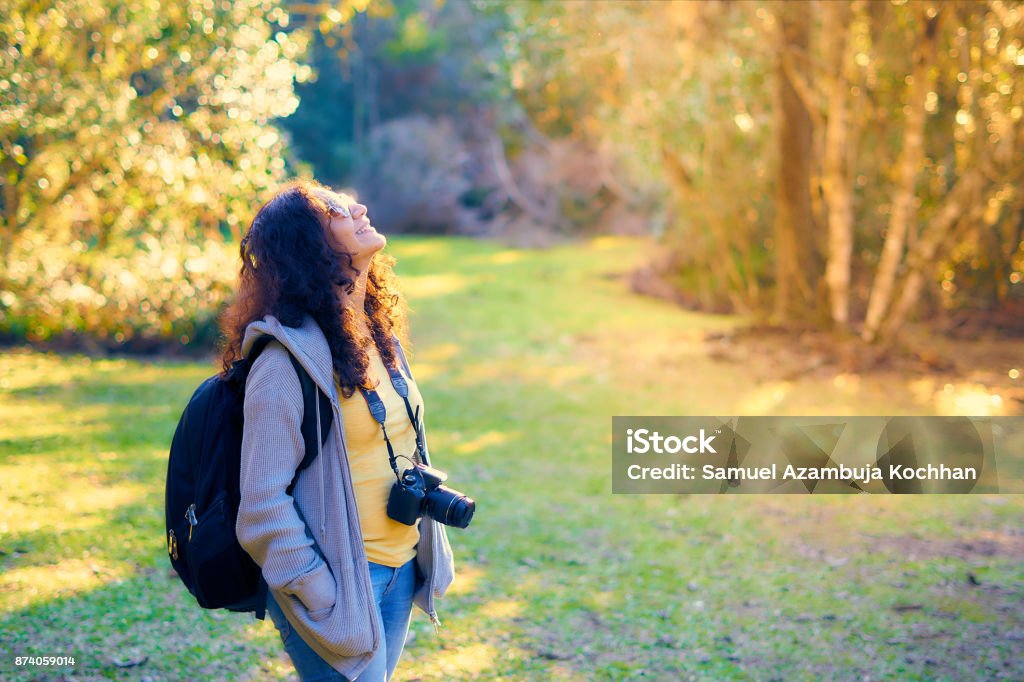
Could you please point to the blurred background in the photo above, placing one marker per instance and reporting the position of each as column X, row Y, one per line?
column 597, row 208
column 837, row 165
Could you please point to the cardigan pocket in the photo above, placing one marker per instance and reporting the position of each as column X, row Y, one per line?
column 316, row 590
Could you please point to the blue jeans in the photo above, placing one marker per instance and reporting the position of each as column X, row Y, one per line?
column 393, row 589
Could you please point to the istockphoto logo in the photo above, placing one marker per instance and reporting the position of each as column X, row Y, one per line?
column 642, row 441
column 817, row 455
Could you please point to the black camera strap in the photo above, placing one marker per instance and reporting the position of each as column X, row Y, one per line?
column 380, row 415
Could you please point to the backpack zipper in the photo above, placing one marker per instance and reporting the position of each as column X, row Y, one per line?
column 190, row 515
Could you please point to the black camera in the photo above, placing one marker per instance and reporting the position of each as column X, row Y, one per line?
column 419, row 491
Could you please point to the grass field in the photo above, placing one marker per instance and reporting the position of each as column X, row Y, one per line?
column 523, row 357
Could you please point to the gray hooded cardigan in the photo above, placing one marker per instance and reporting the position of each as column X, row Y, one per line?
column 324, row 587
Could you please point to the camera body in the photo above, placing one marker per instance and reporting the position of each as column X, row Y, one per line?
column 419, row 492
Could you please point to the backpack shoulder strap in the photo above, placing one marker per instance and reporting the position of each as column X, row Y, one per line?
column 257, row 347
column 310, row 394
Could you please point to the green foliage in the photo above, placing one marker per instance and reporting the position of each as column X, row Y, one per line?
column 414, row 41
column 133, row 138
column 399, row 59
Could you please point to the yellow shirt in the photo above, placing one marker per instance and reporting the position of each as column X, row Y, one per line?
column 386, row 541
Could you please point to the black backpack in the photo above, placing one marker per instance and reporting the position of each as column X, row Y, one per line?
column 202, row 495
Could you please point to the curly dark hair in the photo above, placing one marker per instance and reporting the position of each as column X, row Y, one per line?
column 289, row 268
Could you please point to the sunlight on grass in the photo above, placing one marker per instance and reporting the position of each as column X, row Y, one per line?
column 963, row 398
column 35, row 420
column 429, row 286
column 419, row 248
column 602, row 599
column 501, row 608
column 439, row 353
column 432, row 361
column 484, row 440
column 506, row 257
column 611, row 243
column 28, row 585
column 278, row 668
column 466, row 578
column 763, row 399
column 466, row 661
column 38, row 495
column 558, row 578
column 23, row 369
column 499, row 258
column 552, row 376
column 426, row 371
column 275, row 665
column 149, row 375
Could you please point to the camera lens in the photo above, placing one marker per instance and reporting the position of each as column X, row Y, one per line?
column 450, row 507
column 461, row 513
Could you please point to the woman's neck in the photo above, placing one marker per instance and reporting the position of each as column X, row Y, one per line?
column 356, row 302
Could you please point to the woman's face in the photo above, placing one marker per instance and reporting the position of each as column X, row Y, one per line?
column 350, row 230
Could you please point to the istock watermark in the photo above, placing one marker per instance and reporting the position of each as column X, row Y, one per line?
column 642, row 441
column 818, row 455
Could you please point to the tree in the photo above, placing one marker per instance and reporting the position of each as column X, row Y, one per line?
column 903, row 214
column 836, row 181
column 797, row 247
column 906, row 155
column 135, row 138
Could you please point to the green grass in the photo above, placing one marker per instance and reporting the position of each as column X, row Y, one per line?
column 523, row 357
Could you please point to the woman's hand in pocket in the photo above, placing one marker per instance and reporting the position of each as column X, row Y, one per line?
column 316, row 590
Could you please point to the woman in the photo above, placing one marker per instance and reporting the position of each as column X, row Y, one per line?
column 341, row 574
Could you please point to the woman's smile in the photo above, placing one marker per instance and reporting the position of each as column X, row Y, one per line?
column 350, row 230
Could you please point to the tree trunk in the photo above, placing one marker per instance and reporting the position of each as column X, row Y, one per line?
column 835, row 181
column 904, row 206
column 794, row 223
column 965, row 196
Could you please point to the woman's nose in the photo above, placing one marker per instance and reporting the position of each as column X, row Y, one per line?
column 358, row 211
